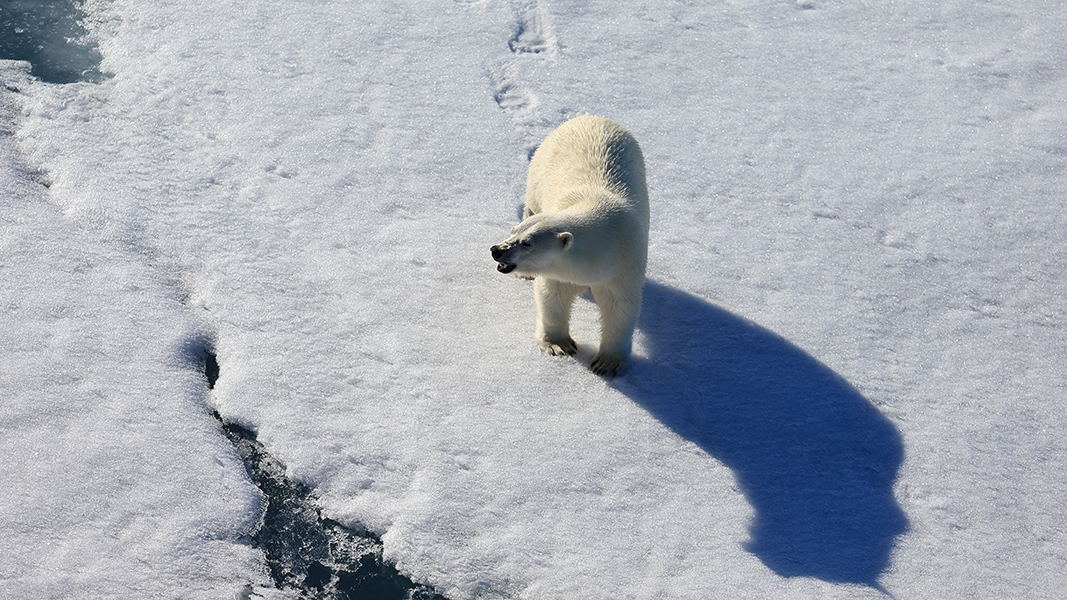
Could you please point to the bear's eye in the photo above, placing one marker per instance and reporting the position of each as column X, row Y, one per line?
column 524, row 243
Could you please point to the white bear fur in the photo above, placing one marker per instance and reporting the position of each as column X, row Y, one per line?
column 586, row 226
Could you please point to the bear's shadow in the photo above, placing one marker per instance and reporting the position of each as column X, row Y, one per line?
column 813, row 457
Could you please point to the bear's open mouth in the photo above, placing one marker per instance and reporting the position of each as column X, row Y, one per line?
column 505, row 267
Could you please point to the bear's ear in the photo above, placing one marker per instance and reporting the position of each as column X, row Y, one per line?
column 565, row 239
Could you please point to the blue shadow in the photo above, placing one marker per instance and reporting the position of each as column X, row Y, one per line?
column 815, row 459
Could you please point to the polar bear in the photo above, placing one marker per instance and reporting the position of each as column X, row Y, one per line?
column 585, row 227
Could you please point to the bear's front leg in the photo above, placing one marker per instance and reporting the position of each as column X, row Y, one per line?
column 619, row 310
column 554, row 300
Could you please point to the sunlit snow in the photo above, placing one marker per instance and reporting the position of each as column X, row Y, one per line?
column 849, row 370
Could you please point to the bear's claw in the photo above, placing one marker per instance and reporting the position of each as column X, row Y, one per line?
column 607, row 366
column 565, row 347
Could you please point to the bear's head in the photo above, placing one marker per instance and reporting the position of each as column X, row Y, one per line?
column 535, row 245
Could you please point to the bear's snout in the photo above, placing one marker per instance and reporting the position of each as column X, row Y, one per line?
column 502, row 264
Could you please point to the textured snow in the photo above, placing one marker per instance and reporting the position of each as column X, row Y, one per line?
column 114, row 477
column 849, row 371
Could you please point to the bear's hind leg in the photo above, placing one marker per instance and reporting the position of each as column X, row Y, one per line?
column 554, row 300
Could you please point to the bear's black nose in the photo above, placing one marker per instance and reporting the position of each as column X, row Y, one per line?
column 496, row 252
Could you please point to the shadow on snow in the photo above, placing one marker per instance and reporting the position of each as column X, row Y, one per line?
column 813, row 457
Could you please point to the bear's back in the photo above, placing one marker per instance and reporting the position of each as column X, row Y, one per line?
column 587, row 152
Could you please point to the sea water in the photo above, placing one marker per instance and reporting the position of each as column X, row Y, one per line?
column 50, row 36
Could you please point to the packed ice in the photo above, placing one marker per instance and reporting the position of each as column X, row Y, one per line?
column 847, row 376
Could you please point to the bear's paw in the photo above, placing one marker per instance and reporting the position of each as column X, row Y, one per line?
column 608, row 366
column 564, row 347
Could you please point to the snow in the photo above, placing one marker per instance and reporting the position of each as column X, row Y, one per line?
column 114, row 477
column 848, row 372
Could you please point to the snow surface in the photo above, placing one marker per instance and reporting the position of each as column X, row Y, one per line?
column 849, row 370
column 114, row 478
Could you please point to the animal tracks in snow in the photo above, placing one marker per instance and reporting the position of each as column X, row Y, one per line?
column 527, row 51
column 510, row 94
column 529, row 36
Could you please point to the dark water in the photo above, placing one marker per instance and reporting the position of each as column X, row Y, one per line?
column 50, row 36
column 318, row 557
